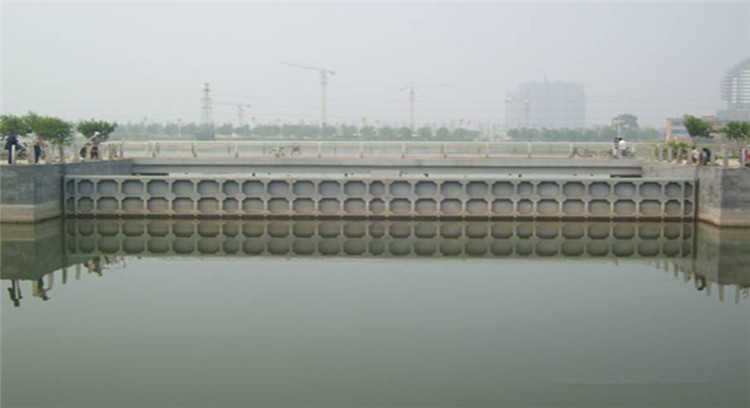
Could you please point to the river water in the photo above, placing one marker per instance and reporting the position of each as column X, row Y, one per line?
column 114, row 313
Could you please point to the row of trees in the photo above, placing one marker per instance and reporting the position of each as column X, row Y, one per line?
column 624, row 125
column 135, row 131
column 593, row 134
column 56, row 131
column 738, row 132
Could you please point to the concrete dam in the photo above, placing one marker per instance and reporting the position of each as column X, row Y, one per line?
column 434, row 181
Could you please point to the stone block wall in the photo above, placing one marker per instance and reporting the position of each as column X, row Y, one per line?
column 724, row 196
column 31, row 193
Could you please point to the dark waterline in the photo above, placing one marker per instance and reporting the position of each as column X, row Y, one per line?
column 277, row 313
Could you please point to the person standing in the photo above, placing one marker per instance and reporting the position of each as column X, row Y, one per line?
column 39, row 144
column 10, row 143
column 694, row 156
column 622, row 147
column 94, row 142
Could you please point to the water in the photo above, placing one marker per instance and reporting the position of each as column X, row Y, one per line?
column 308, row 313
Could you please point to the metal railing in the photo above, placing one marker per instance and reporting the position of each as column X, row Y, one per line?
column 329, row 149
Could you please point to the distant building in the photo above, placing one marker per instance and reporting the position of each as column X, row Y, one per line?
column 552, row 105
column 735, row 90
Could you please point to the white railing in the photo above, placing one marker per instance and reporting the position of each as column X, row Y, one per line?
column 328, row 149
column 721, row 155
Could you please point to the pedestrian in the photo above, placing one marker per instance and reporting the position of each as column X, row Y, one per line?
column 93, row 145
column 39, row 144
column 706, row 153
column 694, row 155
column 622, row 147
column 11, row 142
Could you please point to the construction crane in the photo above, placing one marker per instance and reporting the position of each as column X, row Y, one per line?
column 324, row 72
column 412, row 96
column 240, row 110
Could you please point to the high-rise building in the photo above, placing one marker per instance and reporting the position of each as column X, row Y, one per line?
column 552, row 105
column 735, row 90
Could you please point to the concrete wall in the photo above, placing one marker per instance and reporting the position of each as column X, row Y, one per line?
column 552, row 197
column 31, row 193
column 724, row 196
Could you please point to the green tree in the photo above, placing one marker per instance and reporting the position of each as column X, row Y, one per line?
column 628, row 124
column 13, row 125
column 368, row 132
column 424, row 132
column 205, row 132
column 738, row 132
column 697, row 127
column 88, row 127
column 387, row 133
column 404, row 133
column 443, row 133
column 55, row 130
column 225, row 129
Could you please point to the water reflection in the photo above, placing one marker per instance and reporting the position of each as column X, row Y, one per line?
column 699, row 253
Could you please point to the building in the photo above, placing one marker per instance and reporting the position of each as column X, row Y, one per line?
column 735, row 90
column 552, row 105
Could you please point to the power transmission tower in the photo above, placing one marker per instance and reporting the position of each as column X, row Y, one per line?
column 207, row 108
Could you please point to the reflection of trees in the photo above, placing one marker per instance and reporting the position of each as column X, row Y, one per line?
column 41, row 287
column 703, row 283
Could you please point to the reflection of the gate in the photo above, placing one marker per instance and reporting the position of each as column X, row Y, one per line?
column 378, row 239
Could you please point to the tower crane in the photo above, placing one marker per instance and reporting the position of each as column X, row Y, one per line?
column 324, row 72
column 240, row 110
column 412, row 87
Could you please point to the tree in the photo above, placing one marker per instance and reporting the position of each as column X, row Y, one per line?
column 737, row 131
column 368, row 132
column 443, row 133
column 404, row 133
column 697, row 127
column 55, row 130
column 13, row 125
column 628, row 124
column 205, row 132
column 424, row 132
column 225, row 129
column 88, row 127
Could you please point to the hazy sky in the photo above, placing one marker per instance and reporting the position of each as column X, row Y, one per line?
column 124, row 61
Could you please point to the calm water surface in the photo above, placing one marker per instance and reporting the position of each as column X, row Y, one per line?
column 248, row 313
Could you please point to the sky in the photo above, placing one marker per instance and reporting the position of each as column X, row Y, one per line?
column 135, row 61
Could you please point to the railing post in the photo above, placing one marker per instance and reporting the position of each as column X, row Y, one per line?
column 403, row 150
column 157, row 149
column 320, row 149
column 743, row 156
column 670, row 154
column 192, row 150
column 122, row 149
column 236, row 149
column 661, row 153
column 571, row 149
column 12, row 153
column 76, row 154
column 725, row 156
column 486, row 150
column 361, row 150
column 529, row 149
column 444, row 148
